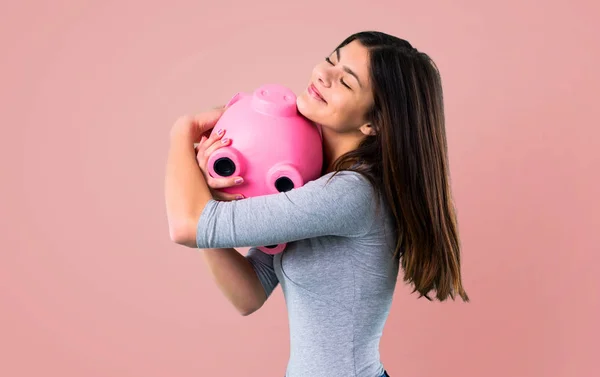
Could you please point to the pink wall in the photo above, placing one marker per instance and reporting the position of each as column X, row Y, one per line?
column 90, row 284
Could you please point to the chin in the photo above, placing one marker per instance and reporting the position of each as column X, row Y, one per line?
column 304, row 107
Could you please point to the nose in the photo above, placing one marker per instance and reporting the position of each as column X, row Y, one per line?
column 323, row 74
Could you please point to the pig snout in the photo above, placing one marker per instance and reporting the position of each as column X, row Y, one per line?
column 274, row 100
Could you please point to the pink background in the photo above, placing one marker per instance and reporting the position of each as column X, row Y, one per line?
column 90, row 284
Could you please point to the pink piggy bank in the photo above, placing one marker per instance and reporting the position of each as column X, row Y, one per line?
column 274, row 148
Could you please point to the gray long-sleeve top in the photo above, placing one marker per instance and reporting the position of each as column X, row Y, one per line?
column 337, row 272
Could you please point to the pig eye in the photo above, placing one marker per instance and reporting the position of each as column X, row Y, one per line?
column 284, row 184
column 224, row 167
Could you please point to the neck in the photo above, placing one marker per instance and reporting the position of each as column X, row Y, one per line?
column 336, row 145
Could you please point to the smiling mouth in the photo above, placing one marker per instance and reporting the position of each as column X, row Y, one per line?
column 315, row 93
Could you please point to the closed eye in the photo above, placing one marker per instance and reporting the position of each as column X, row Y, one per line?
column 341, row 80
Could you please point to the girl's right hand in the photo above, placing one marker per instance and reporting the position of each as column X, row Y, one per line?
column 206, row 146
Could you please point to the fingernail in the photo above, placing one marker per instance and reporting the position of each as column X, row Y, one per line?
column 239, row 181
column 238, row 197
column 220, row 132
column 225, row 141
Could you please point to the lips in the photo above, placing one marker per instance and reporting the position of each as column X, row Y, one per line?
column 312, row 90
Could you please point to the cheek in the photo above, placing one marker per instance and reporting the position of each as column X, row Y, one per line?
column 342, row 108
column 312, row 110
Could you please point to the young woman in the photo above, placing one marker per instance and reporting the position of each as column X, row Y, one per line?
column 383, row 202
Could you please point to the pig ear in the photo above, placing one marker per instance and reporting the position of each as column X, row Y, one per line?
column 236, row 98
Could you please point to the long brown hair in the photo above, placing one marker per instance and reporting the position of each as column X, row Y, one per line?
column 407, row 161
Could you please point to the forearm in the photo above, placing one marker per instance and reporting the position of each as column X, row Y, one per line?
column 342, row 207
column 186, row 191
column 236, row 278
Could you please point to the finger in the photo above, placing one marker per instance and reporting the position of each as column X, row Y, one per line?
column 224, row 182
column 206, row 133
column 214, row 138
column 216, row 144
column 209, row 146
column 200, row 148
column 227, row 197
column 211, row 137
column 199, row 143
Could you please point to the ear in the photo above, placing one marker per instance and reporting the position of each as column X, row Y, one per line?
column 238, row 96
column 367, row 130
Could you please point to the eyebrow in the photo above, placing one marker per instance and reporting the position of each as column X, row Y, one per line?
column 337, row 52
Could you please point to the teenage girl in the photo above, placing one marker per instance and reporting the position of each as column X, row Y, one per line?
column 383, row 201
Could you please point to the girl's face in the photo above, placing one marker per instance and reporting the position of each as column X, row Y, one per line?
column 339, row 93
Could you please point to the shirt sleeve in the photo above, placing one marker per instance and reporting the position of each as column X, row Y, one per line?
column 341, row 205
column 263, row 266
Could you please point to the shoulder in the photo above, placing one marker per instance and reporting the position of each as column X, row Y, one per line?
column 345, row 178
column 345, row 187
